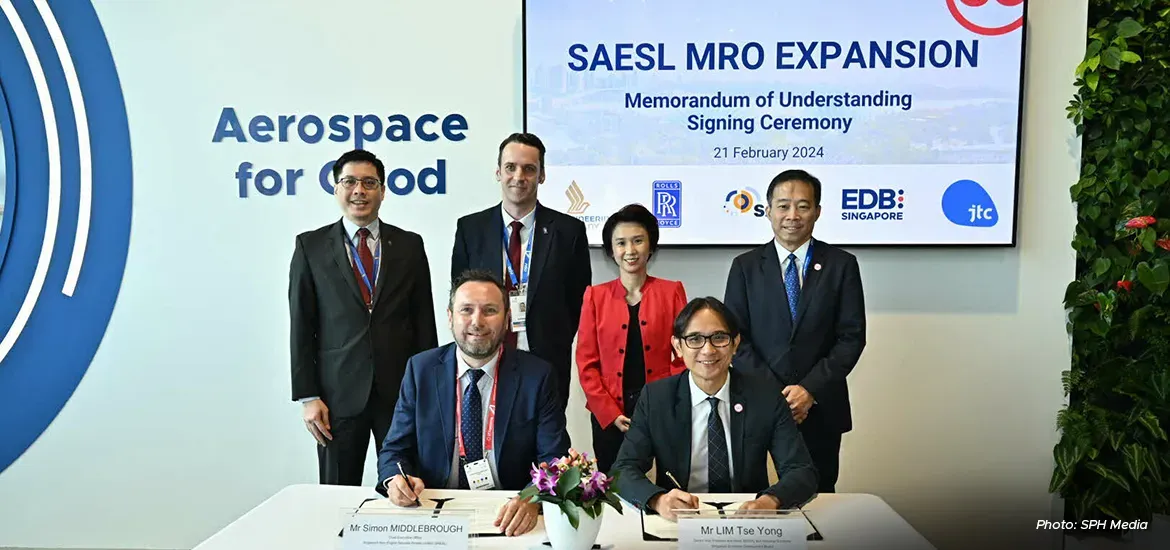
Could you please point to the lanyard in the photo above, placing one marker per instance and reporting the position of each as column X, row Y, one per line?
column 527, row 261
column 807, row 259
column 353, row 253
column 490, row 428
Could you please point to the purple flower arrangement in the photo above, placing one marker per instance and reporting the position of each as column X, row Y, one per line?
column 574, row 484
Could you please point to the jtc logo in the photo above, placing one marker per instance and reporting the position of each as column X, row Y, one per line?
column 966, row 203
column 987, row 18
column 872, row 204
column 744, row 201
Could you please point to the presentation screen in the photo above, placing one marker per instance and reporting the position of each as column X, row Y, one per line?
column 907, row 111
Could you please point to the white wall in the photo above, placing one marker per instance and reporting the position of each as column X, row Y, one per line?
column 170, row 436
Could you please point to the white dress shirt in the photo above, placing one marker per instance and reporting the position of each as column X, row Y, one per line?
column 700, row 409
column 372, row 241
column 485, row 395
column 800, row 252
column 528, row 220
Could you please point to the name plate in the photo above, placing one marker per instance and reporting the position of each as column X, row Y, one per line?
column 366, row 531
column 730, row 532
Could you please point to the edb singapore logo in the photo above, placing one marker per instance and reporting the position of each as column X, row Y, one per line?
column 67, row 191
column 872, row 204
column 968, row 204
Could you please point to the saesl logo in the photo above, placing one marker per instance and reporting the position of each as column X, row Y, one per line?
column 872, row 204
column 744, row 201
column 968, row 204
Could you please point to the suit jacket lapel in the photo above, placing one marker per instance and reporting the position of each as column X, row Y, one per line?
column 445, row 397
column 508, row 384
column 493, row 247
column 770, row 268
column 339, row 250
column 807, row 291
column 391, row 256
column 682, row 430
column 737, row 421
column 542, row 240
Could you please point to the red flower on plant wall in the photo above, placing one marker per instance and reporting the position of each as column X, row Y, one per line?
column 1125, row 285
column 1141, row 222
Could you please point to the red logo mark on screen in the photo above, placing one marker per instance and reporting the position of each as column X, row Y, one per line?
column 980, row 29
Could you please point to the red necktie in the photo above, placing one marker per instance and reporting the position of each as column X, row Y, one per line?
column 515, row 259
column 367, row 263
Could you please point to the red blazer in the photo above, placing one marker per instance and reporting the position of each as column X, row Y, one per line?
column 601, row 340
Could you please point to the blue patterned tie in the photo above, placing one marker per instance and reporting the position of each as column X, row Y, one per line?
column 471, row 424
column 718, row 469
column 792, row 285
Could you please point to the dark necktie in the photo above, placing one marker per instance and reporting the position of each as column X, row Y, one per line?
column 367, row 259
column 515, row 259
column 471, row 424
column 792, row 285
column 718, row 463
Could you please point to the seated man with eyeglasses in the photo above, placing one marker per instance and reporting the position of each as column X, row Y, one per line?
column 711, row 428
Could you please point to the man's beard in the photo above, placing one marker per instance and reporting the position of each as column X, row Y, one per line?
column 481, row 350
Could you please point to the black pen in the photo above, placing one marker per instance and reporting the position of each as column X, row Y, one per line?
column 406, row 478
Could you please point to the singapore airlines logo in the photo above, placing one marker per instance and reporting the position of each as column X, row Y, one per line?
column 577, row 203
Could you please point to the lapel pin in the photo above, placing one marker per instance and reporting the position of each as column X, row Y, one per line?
column 817, row 267
column 544, row 230
column 739, row 407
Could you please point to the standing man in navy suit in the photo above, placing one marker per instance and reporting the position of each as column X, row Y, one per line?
column 541, row 255
column 801, row 308
column 359, row 300
column 473, row 415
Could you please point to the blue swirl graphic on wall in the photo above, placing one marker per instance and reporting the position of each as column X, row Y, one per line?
column 66, row 216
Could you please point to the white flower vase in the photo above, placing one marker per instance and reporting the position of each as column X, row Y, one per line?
column 561, row 534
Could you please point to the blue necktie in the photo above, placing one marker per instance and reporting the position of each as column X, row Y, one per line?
column 471, row 424
column 792, row 285
column 718, row 469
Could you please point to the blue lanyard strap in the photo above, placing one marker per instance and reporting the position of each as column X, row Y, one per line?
column 357, row 261
column 526, row 262
column 807, row 259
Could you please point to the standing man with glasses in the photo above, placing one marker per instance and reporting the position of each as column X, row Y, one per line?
column 360, row 304
column 801, row 308
column 541, row 255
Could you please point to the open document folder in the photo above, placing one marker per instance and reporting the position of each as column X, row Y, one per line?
column 482, row 507
column 658, row 528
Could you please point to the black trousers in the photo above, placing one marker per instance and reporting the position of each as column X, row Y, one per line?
column 824, row 445
column 606, row 442
column 343, row 460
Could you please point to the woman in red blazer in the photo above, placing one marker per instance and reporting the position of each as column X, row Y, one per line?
column 613, row 361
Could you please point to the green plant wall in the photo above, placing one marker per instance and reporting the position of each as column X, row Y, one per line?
column 1113, row 458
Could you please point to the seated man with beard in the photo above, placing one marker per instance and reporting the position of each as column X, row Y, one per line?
column 469, row 414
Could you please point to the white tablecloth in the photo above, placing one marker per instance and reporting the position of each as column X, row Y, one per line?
column 309, row 517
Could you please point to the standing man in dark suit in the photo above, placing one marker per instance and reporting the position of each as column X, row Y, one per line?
column 801, row 307
column 360, row 302
column 710, row 429
column 541, row 255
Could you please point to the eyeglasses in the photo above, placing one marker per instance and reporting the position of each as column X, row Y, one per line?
column 369, row 184
column 697, row 341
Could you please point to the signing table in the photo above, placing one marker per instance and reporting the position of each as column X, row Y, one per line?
column 309, row 517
